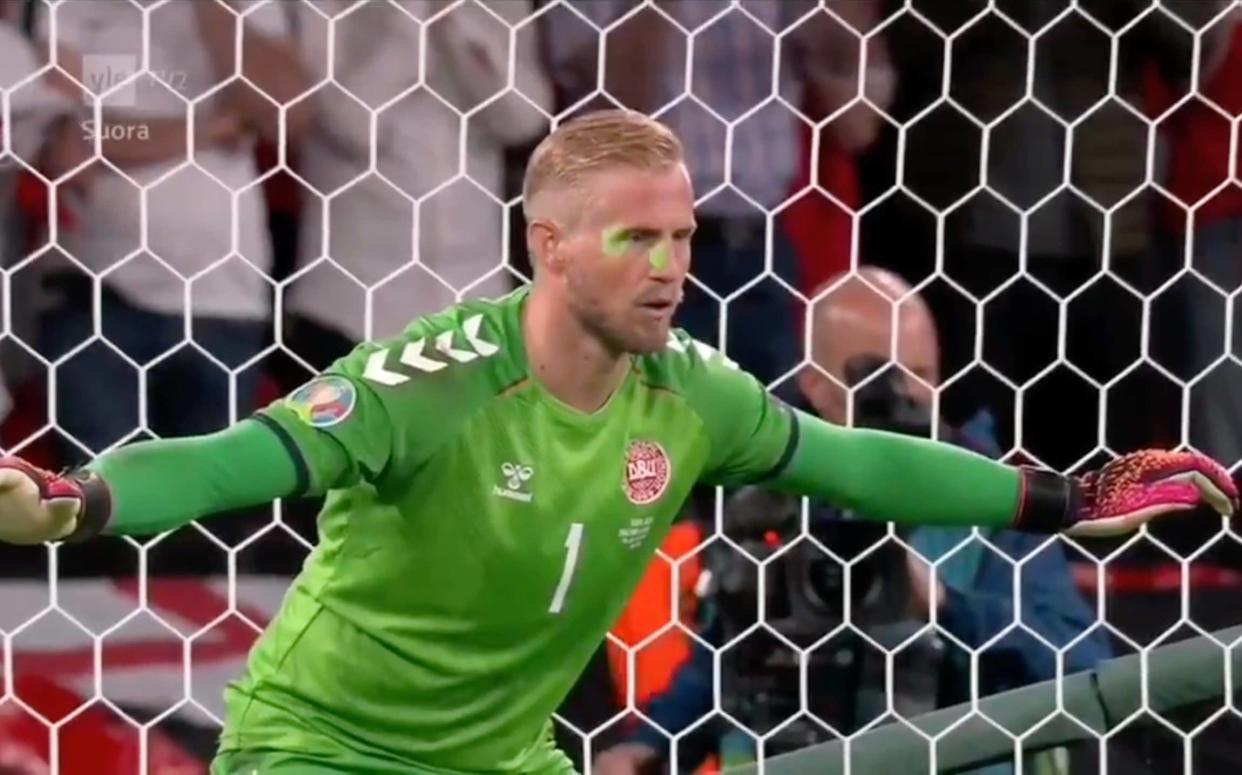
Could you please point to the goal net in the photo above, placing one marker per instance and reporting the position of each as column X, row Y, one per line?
column 204, row 203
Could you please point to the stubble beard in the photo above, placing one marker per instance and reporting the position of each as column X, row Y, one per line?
column 621, row 336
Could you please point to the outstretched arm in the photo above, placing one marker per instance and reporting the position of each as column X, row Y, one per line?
column 895, row 478
column 330, row 434
column 889, row 477
column 151, row 486
column 357, row 422
column 162, row 485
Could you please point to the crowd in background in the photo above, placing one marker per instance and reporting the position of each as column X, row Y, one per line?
column 1017, row 186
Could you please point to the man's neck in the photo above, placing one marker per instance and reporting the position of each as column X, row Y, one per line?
column 570, row 363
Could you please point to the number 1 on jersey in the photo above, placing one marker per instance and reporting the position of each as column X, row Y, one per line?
column 572, row 544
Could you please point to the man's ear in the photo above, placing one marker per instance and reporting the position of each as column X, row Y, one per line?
column 543, row 239
column 823, row 393
column 811, row 383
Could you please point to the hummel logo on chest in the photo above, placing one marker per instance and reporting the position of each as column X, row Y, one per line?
column 515, row 477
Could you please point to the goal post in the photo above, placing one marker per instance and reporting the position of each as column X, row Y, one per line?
column 1080, row 707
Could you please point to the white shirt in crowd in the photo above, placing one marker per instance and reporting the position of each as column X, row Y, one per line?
column 372, row 229
column 32, row 106
column 194, row 216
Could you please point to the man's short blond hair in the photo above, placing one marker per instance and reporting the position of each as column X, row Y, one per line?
column 596, row 141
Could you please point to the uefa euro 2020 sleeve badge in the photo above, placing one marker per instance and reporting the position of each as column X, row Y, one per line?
column 324, row 401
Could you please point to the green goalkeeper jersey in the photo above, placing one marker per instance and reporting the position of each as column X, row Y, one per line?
column 483, row 539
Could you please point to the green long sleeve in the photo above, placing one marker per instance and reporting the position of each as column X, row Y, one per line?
column 893, row 478
column 164, row 484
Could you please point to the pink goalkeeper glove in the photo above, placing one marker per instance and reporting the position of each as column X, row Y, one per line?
column 38, row 505
column 1140, row 486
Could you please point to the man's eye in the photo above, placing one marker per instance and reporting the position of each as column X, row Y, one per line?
column 633, row 240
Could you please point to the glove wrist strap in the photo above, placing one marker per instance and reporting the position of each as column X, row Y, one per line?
column 96, row 509
column 1047, row 503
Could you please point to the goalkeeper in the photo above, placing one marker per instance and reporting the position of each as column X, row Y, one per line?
column 498, row 476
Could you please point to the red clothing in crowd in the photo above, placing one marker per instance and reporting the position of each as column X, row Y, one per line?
column 649, row 611
column 1197, row 138
column 820, row 230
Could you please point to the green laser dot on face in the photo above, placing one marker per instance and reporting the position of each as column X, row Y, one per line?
column 659, row 256
column 615, row 242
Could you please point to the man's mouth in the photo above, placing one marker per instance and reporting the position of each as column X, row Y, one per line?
column 658, row 306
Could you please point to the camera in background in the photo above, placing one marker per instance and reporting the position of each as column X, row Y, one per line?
column 807, row 598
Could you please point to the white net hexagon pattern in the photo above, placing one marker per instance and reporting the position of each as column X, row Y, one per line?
column 40, row 618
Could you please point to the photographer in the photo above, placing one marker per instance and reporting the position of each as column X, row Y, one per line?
column 891, row 591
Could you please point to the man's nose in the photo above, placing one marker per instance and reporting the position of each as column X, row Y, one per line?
column 665, row 263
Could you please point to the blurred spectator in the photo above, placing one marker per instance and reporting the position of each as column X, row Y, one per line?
column 14, row 12
column 36, row 109
column 1196, row 140
column 415, row 266
column 974, row 594
column 34, row 105
column 820, row 221
column 178, row 222
column 741, row 175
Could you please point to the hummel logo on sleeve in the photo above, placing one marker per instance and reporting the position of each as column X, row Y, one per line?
column 515, row 477
column 422, row 355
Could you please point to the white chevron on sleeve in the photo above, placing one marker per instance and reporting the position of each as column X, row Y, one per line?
column 471, row 328
column 444, row 343
column 376, row 372
column 412, row 356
